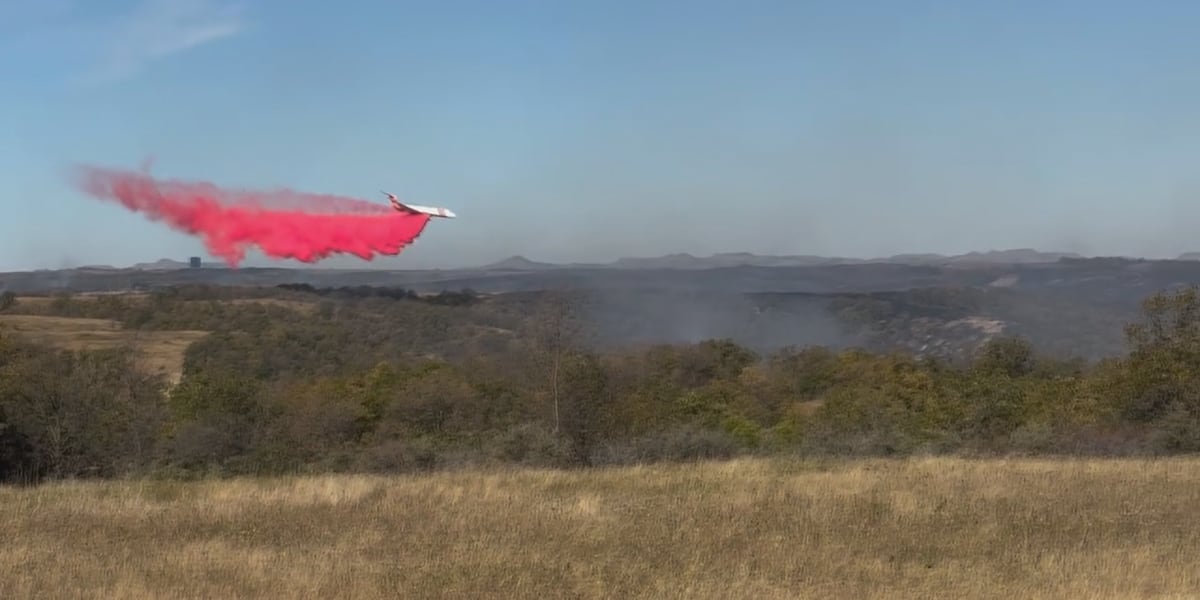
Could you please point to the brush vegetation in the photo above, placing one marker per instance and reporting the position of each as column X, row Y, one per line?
column 377, row 380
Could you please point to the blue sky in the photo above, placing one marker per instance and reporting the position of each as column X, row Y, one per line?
column 575, row 130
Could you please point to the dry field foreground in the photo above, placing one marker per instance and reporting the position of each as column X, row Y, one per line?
column 744, row 529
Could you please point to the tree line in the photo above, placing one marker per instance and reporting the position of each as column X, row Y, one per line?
column 391, row 382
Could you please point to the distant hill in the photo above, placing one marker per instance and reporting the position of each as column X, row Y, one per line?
column 1012, row 257
column 685, row 260
column 670, row 261
column 167, row 264
column 731, row 259
column 925, row 303
column 162, row 264
column 518, row 263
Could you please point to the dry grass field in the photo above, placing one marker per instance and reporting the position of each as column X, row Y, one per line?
column 37, row 303
column 923, row 528
column 158, row 351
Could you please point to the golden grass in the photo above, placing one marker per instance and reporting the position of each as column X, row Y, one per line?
column 43, row 302
column 157, row 351
column 924, row 528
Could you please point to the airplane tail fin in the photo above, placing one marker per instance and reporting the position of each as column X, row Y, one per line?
column 392, row 199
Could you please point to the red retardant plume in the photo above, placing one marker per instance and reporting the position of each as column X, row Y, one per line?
column 281, row 223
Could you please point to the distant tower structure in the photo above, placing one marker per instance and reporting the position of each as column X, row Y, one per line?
column 195, row 262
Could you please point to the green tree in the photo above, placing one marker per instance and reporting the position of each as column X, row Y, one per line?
column 219, row 418
column 87, row 413
column 1164, row 358
column 557, row 330
column 587, row 395
column 1007, row 355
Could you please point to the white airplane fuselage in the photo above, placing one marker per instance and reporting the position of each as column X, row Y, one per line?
column 433, row 211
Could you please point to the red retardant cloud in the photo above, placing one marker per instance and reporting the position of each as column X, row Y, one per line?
column 281, row 223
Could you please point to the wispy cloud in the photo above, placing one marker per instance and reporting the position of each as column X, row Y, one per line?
column 159, row 28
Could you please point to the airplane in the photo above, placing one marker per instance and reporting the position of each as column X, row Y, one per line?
column 432, row 211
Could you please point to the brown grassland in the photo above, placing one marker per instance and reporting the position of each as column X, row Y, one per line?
column 917, row 528
column 157, row 351
column 44, row 302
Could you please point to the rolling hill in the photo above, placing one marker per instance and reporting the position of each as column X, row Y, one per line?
column 924, row 304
